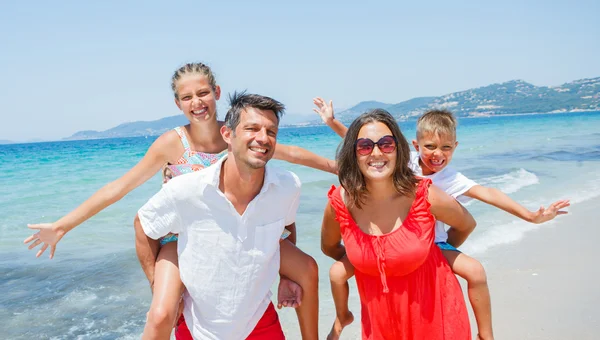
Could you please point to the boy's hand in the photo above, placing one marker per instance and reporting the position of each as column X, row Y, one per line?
column 325, row 110
column 289, row 293
column 545, row 215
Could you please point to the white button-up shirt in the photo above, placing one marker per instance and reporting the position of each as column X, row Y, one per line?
column 227, row 261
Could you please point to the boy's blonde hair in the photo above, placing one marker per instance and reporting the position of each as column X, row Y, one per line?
column 437, row 121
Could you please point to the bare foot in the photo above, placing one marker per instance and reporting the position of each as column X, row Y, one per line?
column 338, row 325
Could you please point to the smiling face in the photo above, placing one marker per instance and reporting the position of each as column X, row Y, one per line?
column 253, row 141
column 196, row 97
column 377, row 165
column 435, row 151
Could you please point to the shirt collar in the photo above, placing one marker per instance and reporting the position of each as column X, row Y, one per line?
column 213, row 174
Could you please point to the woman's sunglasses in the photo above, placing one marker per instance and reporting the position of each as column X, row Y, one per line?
column 386, row 144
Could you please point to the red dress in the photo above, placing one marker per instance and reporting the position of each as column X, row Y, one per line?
column 407, row 289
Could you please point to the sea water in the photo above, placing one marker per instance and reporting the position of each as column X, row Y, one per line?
column 94, row 287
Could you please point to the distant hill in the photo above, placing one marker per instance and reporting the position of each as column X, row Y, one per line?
column 512, row 97
column 156, row 127
column 4, row 141
column 134, row 129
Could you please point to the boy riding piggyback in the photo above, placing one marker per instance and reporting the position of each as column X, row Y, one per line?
column 435, row 145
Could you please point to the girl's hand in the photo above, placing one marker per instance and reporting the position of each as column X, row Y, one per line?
column 48, row 233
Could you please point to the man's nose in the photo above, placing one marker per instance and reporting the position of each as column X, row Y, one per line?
column 262, row 136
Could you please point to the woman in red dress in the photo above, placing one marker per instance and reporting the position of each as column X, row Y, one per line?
column 386, row 217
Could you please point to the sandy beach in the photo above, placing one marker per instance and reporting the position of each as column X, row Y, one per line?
column 546, row 285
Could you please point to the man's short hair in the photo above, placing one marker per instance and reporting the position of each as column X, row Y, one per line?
column 242, row 100
column 437, row 121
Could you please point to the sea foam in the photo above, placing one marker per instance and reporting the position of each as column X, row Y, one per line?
column 511, row 182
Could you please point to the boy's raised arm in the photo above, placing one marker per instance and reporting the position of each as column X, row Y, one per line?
column 500, row 200
column 325, row 111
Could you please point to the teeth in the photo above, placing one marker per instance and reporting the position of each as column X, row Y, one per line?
column 436, row 162
column 261, row 150
column 376, row 164
column 197, row 112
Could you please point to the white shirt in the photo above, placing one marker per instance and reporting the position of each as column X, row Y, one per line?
column 452, row 182
column 227, row 262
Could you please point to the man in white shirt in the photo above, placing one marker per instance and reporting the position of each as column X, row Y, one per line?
column 230, row 217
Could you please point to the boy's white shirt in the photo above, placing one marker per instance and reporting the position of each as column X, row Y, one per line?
column 451, row 181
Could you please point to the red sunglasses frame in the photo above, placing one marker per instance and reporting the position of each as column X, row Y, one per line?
column 371, row 146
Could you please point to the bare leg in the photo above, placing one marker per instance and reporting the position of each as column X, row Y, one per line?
column 166, row 294
column 302, row 269
column 339, row 274
column 479, row 294
column 146, row 249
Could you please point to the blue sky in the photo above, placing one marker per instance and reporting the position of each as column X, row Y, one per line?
column 68, row 66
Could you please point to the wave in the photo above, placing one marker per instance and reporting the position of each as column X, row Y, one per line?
column 567, row 156
column 95, row 298
column 499, row 235
column 570, row 154
column 512, row 232
column 511, row 182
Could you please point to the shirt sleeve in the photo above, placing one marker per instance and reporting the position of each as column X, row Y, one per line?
column 290, row 217
column 159, row 216
column 413, row 163
column 460, row 185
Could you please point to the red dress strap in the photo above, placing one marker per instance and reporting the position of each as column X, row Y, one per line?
column 421, row 213
column 342, row 215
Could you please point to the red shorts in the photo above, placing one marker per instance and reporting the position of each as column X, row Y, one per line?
column 267, row 328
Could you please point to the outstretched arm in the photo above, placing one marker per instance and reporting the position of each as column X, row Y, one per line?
column 49, row 234
column 448, row 210
column 500, row 200
column 298, row 155
column 325, row 111
column 331, row 236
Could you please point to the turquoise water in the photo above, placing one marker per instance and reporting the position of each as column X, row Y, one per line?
column 95, row 289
